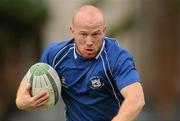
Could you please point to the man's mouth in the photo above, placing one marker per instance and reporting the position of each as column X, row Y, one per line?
column 89, row 50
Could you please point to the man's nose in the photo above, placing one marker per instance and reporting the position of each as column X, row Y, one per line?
column 89, row 41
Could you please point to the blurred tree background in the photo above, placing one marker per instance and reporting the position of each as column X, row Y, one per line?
column 21, row 22
column 150, row 29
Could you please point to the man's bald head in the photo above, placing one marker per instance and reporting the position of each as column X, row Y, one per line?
column 89, row 14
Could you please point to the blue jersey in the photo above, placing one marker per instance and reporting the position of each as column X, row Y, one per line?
column 91, row 87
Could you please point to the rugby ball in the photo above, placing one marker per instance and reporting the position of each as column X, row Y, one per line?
column 43, row 77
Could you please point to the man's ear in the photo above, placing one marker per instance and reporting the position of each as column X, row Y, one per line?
column 104, row 30
column 71, row 29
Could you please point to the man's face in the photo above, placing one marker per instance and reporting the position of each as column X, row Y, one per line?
column 88, row 35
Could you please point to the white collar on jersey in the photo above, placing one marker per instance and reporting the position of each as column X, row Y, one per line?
column 97, row 56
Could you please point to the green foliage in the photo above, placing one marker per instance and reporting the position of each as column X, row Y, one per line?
column 22, row 15
column 121, row 27
column 96, row 2
column 22, row 10
column 175, row 3
column 19, row 19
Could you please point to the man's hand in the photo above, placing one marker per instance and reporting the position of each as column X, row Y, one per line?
column 25, row 101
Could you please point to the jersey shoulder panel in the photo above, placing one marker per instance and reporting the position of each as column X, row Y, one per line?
column 113, row 49
column 116, row 54
column 112, row 45
column 53, row 49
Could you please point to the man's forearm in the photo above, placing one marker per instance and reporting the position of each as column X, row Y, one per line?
column 129, row 110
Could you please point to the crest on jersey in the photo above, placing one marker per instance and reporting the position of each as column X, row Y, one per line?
column 96, row 82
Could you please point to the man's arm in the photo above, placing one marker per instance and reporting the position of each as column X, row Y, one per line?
column 132, row 104
column 24, row 101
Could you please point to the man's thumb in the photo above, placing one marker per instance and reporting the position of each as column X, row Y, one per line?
column 28, row 87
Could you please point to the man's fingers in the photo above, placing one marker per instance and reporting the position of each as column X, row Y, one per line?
column 40, row 95
column 40, row 100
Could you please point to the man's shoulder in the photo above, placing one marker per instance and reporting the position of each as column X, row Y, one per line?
column 56, row 49
column 59, row 45
column 114, row 50
column 112, row 45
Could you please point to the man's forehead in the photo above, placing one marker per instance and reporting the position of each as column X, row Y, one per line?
column 88, row 14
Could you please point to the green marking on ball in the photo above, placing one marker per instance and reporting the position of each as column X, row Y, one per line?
column 45, row 66
column 37, row 69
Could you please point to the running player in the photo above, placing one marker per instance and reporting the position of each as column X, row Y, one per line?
column 99, row 78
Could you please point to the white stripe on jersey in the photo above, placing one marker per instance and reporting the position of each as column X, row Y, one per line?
column 63, row 57
column 109, row 80
column 75, row 56
column 108, row 64
column 100, row 50
column 53, row 64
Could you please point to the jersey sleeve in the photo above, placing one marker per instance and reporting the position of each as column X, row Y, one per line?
column 125, row 72
column 47, row 55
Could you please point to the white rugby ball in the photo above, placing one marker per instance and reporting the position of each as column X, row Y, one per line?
column 43, row 77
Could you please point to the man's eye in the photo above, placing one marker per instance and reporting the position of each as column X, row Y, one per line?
column 83, row 34
column 95, row 34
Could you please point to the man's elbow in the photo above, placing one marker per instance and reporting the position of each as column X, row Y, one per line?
column 141, row 103
column 18, row 103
